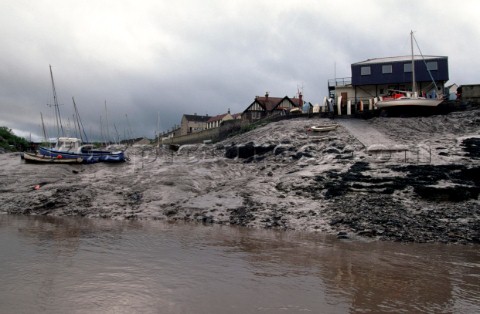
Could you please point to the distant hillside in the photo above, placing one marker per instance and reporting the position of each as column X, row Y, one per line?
column 9, row 142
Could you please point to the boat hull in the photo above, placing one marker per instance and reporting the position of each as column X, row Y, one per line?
column 90, row 157
column 36, row 158
column 326, row 128
column 411, row 102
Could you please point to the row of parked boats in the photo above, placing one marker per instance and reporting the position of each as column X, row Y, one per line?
column 71, row 150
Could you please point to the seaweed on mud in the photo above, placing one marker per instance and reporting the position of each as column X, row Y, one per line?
column 472, row 147
column 424, row 179
column 241, row 216
column 387, row 218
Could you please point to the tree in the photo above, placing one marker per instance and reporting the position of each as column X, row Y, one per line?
column 11, row 142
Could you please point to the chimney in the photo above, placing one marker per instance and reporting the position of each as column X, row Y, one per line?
column 228, row 111
column 300, row 100
column 266, row 96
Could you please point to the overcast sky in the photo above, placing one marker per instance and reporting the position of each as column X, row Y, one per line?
column 149, row 58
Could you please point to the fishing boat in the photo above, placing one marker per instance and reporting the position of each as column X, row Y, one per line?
column 324, row 128
column 38, row 158
column 72, row 148
column 407, row 98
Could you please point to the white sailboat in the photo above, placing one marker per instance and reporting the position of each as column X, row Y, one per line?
column 407, row 98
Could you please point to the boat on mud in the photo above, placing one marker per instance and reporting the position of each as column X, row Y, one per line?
column 408, row 98
column 42, row 159
column 324, row 128
column 402, row 98
column 72, row 148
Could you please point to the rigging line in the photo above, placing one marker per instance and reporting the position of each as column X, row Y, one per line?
column 57, row 108
column 118, row 136
column 80, row 120
column 44, row 130
column 423, row 58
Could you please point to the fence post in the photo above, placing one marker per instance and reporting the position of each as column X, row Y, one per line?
column 339, row 105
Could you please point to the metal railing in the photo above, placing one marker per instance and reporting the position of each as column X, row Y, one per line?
column 340, row 82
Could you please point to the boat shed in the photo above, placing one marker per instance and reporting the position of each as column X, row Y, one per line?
column 374, row 77
column 398, row 70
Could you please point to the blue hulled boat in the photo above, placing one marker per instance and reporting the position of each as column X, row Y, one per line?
column 72, row 148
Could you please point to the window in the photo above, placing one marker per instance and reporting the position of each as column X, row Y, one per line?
column 432, row 66
column 387, row 68
column 407, row 67
column 365, row 71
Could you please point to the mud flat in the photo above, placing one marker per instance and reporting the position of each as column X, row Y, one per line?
column 281, row 176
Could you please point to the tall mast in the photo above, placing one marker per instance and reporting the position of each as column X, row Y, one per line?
column 58, row 117
column 80, row 123
column 44, row 130
column 116, row 132
column 107, row 133
column 414, row 87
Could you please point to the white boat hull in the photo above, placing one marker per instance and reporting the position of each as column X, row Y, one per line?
column 419, row 102
column 325, row 128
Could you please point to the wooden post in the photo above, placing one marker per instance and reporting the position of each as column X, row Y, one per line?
column 361, row 105
column 370, row 104
column 349, row 107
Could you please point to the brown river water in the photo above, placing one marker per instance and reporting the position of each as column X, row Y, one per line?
column 76, row 265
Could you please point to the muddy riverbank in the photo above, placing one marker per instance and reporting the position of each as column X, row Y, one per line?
column 281, row 176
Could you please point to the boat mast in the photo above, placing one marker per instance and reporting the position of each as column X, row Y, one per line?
column 44, row 130
column 107, row 133
column 414, row 87
column 58, row 118
column 116, row 132
column 80, row 123
column 158, row 128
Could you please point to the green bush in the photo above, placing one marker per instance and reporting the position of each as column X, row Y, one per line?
column 11, row 142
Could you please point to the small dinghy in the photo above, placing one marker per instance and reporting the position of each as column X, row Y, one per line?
column 36, row 158
column 323, row 128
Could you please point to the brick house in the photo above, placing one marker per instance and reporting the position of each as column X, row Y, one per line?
column 192, row 123
column 262, row 107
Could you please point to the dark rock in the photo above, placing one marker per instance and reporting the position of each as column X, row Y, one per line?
column 231, row 152
column 263, row 149
column 246, row 151
column 453, row 194
column 279, row 150
column 171, row 212
column 472, row 147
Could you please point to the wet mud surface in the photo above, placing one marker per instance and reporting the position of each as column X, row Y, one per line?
column 280, row 176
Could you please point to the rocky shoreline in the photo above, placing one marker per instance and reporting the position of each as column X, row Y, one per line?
column 281, row 176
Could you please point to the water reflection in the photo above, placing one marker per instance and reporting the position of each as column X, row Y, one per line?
column 83, row 265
